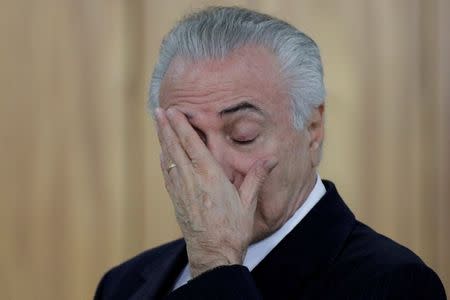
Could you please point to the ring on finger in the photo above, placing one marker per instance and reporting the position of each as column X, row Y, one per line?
column 171, row 166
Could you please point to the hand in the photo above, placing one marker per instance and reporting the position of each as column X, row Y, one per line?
column 215, row 218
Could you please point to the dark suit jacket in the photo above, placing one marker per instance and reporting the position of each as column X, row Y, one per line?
column 328, row 255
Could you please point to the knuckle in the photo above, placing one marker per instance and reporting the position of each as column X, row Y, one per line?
column 260, row 174
column 189, row 145
column 200, row 167
column 166, row 185
column 195, row 163
column 171, row 145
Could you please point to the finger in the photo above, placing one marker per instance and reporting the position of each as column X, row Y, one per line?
column 167, row 180
column 171, row 146
column 164, row 163
column 254, row 180
column 188, row 137
column 171, row 180
column 171, row 183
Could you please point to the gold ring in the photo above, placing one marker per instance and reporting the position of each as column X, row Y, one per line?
column 171, row 166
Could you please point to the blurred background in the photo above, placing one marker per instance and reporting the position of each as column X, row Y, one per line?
column 80, row 186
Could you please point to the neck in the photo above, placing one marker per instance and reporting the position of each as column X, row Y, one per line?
column 267, row 226
column 302, row 195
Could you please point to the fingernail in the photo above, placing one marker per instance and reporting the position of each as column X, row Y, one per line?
column 170, row 112
column 270, row 164
column 158, row 112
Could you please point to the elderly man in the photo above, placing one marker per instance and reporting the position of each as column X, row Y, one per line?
column 238, row 98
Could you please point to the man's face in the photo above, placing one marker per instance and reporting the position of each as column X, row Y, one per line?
column 239, row 107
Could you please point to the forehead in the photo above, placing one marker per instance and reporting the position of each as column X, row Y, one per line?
column 250, row 74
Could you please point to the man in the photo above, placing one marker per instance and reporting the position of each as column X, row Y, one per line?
column 238, row 99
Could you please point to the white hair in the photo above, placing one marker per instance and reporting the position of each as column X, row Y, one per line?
column 214, row 32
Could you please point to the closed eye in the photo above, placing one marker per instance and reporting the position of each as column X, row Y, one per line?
column 244, row 142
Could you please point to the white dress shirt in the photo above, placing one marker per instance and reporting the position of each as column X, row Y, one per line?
column 258, row 251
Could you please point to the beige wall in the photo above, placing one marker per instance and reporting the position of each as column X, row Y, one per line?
column 80, row 188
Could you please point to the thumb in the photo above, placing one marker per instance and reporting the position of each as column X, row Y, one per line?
column 255, row 178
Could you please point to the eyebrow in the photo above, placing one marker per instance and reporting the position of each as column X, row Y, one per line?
column 240, row 107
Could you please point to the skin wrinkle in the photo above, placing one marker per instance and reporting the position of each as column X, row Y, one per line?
column 203, row 89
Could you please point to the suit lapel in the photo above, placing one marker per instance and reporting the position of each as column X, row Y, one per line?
column 309, row 248
column 161, row 273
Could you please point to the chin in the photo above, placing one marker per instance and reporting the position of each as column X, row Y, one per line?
column 261, row 230
column 269, row 217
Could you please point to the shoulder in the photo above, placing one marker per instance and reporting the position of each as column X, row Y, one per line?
column 376, row 265
column 128, row 274
column 374, row 248
column 405, row 281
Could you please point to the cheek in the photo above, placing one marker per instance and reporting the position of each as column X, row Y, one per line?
column 242, row 162
column 291, row 164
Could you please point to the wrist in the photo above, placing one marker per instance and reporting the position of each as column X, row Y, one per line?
column 205, row 262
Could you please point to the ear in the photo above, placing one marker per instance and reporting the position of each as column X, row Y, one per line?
column 316, row 132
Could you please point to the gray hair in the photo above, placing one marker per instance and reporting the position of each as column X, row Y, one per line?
column 216, row 31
